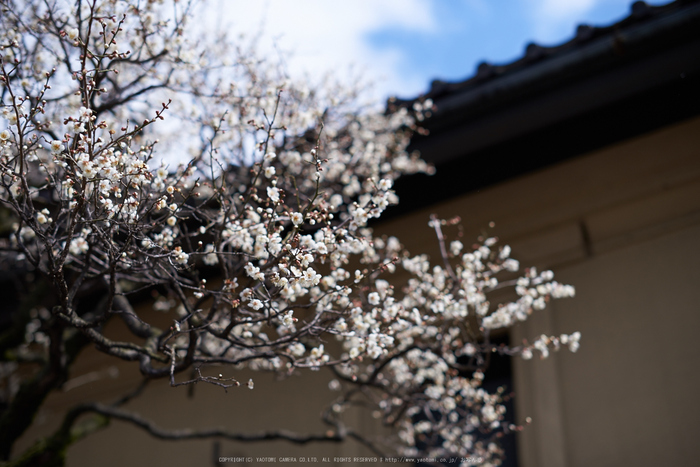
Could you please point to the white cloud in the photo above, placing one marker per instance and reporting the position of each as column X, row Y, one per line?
column 559, row 9
column 329, row 35
column 556, row 20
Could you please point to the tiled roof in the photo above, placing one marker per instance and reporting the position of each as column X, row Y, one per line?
column 604, row 85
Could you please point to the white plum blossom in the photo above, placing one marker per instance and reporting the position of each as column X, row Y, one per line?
column 297, row 349
column 42, row 217
column 297, row 218
column 210, row 258
column 180, row 256
column 254, row 272
column 56, row 146
column 274, row 194
column 573, row 341
column 288, row 318
column 79, row 246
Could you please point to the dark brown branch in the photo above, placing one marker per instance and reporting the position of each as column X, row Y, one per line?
column 182, row 434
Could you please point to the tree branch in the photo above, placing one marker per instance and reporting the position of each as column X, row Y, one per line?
column 183, row 434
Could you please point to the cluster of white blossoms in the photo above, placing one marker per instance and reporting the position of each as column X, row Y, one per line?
column 423, row 351
column 273, row 206
column 543, row 344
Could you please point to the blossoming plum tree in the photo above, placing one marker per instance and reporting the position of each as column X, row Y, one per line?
column 246, row 212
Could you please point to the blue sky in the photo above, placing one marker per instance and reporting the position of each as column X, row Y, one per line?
column 402, row 45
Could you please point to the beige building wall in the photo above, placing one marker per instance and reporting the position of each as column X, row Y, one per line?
column 622, row 224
